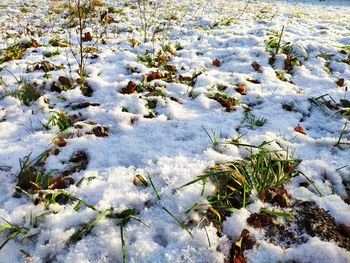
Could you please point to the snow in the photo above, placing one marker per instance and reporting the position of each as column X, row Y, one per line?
column 173, row 147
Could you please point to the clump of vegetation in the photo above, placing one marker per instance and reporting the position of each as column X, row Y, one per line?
column 273, row 43
column 235, row 181
column 280, row 75
column 144, row 87
column 161, row 57
column 60, row 119
column 274, row 46
column 32, row 177
column 251, row 121
column 50, row 54
column 86, row 228
column 151, row 104
column 17, row 51
column 57, row 42
column 225, row 100
column 327, row 102
column 226, row 21
column 26, row 90
column 10, row 231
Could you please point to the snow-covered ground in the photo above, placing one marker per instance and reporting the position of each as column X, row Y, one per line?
column 165, row 136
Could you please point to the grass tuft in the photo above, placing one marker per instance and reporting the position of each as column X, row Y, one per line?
column 235, row 181
column 10, row 231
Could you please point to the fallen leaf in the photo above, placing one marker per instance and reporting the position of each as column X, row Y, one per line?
column 299, row 129
column 86, row 37
column 239, row 259
column 130, row 88
column 185, row 78
column 61, row 142
column 170, row 68
column 64, row 81
column 156, row 75
column 85, row 104
column 100, row 131
column 255, row 81
column 175, row 99
column 80, row 161
column 340, row 82
column 277, row 197
column 90, row 122
column 97, row 2
column 216, row 62
column 78, row 156
column 60, row 182
column 76, row 117
column 256, row 67
column 241, row 89
column 55, row 87
column 244, row 242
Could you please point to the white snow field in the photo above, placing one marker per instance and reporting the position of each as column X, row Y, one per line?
column 131, row 143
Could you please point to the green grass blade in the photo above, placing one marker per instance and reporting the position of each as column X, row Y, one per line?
column 178, row 221
column 153, row 187
column 276, row 213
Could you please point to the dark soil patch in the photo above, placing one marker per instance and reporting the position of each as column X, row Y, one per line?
column 309, row 220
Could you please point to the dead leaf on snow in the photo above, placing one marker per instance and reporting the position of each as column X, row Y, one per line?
column 340, row 82
column 256, row 67
column 61, row 142
column 216, row 62
column 299, row 129
column 129, row 89
column 241, row 89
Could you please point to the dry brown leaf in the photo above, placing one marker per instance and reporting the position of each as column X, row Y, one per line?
column 86, row 104
column 255, row 81
column 216, row 62
column 256, row 67
column 185, row 78
column 100, row 131
column 241, row 89
column 130, row 88
column 170, row 68
column 64, row 81
column 299, row 129
column 61, row 142
column 60, row 182
column 340, row 82
column 86, row 37
column 90, row 122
